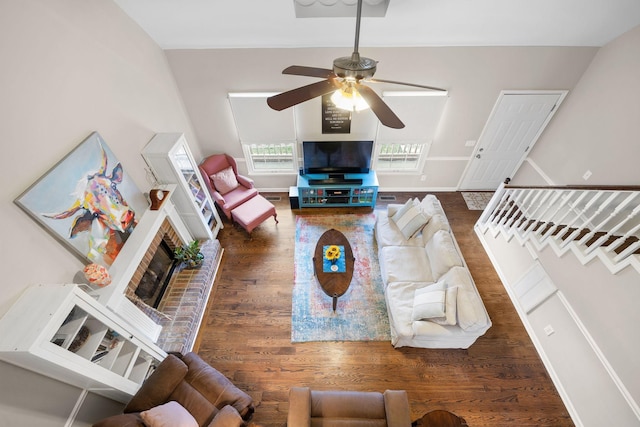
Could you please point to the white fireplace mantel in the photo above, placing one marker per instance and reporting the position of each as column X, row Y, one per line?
column 130, row 256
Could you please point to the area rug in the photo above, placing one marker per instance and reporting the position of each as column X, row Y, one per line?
column 361, row 313
column 477, row 200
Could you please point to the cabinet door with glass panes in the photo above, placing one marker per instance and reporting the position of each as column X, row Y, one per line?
column 170, row 158
column 61, row 332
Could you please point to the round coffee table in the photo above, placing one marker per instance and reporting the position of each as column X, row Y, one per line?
column 333, row 283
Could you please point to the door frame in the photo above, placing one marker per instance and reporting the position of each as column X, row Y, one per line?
column 563, row 94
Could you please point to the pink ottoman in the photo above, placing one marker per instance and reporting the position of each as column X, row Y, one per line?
column 254, row 212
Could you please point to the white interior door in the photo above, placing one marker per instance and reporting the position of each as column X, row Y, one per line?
column 516, row 122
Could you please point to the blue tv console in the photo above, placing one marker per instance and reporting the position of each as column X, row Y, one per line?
column 352, row 189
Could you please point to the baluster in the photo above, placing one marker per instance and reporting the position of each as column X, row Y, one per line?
column 514, row 205
column 542, row 217
column 525, row 204
column 492, row 206
column 602, row 239
column 558, row 223
column 518, row 203
column 620, row 240
column 586, row 222
column 501, row 205
column 537, row 194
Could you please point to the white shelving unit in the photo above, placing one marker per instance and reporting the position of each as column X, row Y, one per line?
column 169, row 157
column 61, row 332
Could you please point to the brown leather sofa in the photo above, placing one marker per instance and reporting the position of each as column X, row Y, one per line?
column 188, row 380
column 348, row 408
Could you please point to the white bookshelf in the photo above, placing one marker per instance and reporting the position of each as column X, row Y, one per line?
column 62, row 332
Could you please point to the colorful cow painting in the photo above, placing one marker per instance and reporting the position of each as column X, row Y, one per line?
column 86, row 202
column 104, row 213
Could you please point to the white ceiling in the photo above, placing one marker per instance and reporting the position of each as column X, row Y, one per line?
column 180, row 24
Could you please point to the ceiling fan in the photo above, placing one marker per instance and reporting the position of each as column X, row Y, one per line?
column 345, row 81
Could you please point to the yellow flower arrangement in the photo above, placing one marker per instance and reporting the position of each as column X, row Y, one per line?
column 332, row 253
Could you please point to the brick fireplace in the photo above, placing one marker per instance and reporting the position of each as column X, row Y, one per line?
column 184, row 301
column 174, row 324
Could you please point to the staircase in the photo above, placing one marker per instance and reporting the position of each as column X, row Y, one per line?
column 590, row 222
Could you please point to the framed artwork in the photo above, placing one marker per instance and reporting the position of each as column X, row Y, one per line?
column 334, row 119
column 87, row 202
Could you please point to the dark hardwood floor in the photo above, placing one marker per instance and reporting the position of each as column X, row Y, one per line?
column 499, row 381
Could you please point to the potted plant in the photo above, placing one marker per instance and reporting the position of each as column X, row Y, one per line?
column 189, row 255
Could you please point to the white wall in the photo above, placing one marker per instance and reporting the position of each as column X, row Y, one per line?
column 68, row 68
column 597, row 127
column 473, row 75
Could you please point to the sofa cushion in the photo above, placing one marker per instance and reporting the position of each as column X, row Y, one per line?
column 429, row 302
column 442, row 253
column 472, row 315
column 225, row 180
column 404, row 264
column 171, row 414
column 410, row 219
column 431, row 206
column 436, row 223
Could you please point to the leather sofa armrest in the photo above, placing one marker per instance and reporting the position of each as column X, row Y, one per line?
column 243, row 180
column 299, row 407
column 122, row 420
column 227, row 417
column 396, row 405
column 159, row 386
column 215, row 387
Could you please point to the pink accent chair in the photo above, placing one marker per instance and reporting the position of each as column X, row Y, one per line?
column 226, row 199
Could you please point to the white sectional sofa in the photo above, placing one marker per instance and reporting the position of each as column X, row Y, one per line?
column 431, row 298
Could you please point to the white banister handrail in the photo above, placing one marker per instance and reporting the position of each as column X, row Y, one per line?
column 590, row 222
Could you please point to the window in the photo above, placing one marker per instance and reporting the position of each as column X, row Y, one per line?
column 400, row 156
column 275, row 157
column 267, row 136
column 405, row 150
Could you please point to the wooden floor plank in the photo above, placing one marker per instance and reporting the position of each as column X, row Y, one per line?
column 500, row 381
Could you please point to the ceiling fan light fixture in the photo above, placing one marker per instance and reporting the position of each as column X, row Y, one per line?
column 349, row 99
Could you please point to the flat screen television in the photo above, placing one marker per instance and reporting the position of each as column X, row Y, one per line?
column 336, row 157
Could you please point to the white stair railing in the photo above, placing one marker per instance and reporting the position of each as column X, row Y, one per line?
column 592, row 223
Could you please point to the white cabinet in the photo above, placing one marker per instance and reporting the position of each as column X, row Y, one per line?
column 61, row 332
column 171, row 161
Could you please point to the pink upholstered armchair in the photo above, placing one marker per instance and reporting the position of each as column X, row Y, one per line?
column 228, row 189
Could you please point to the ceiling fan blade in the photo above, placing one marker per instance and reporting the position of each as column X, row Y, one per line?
column 406, row 84
column 379, row 108
column 300, row 70
column 296, row 96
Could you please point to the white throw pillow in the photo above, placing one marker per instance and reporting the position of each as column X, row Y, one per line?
column 450, row 305
column 171, row 414
column 471, row 313
column 429, row 302
column 410, row 219
column 225, row 180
